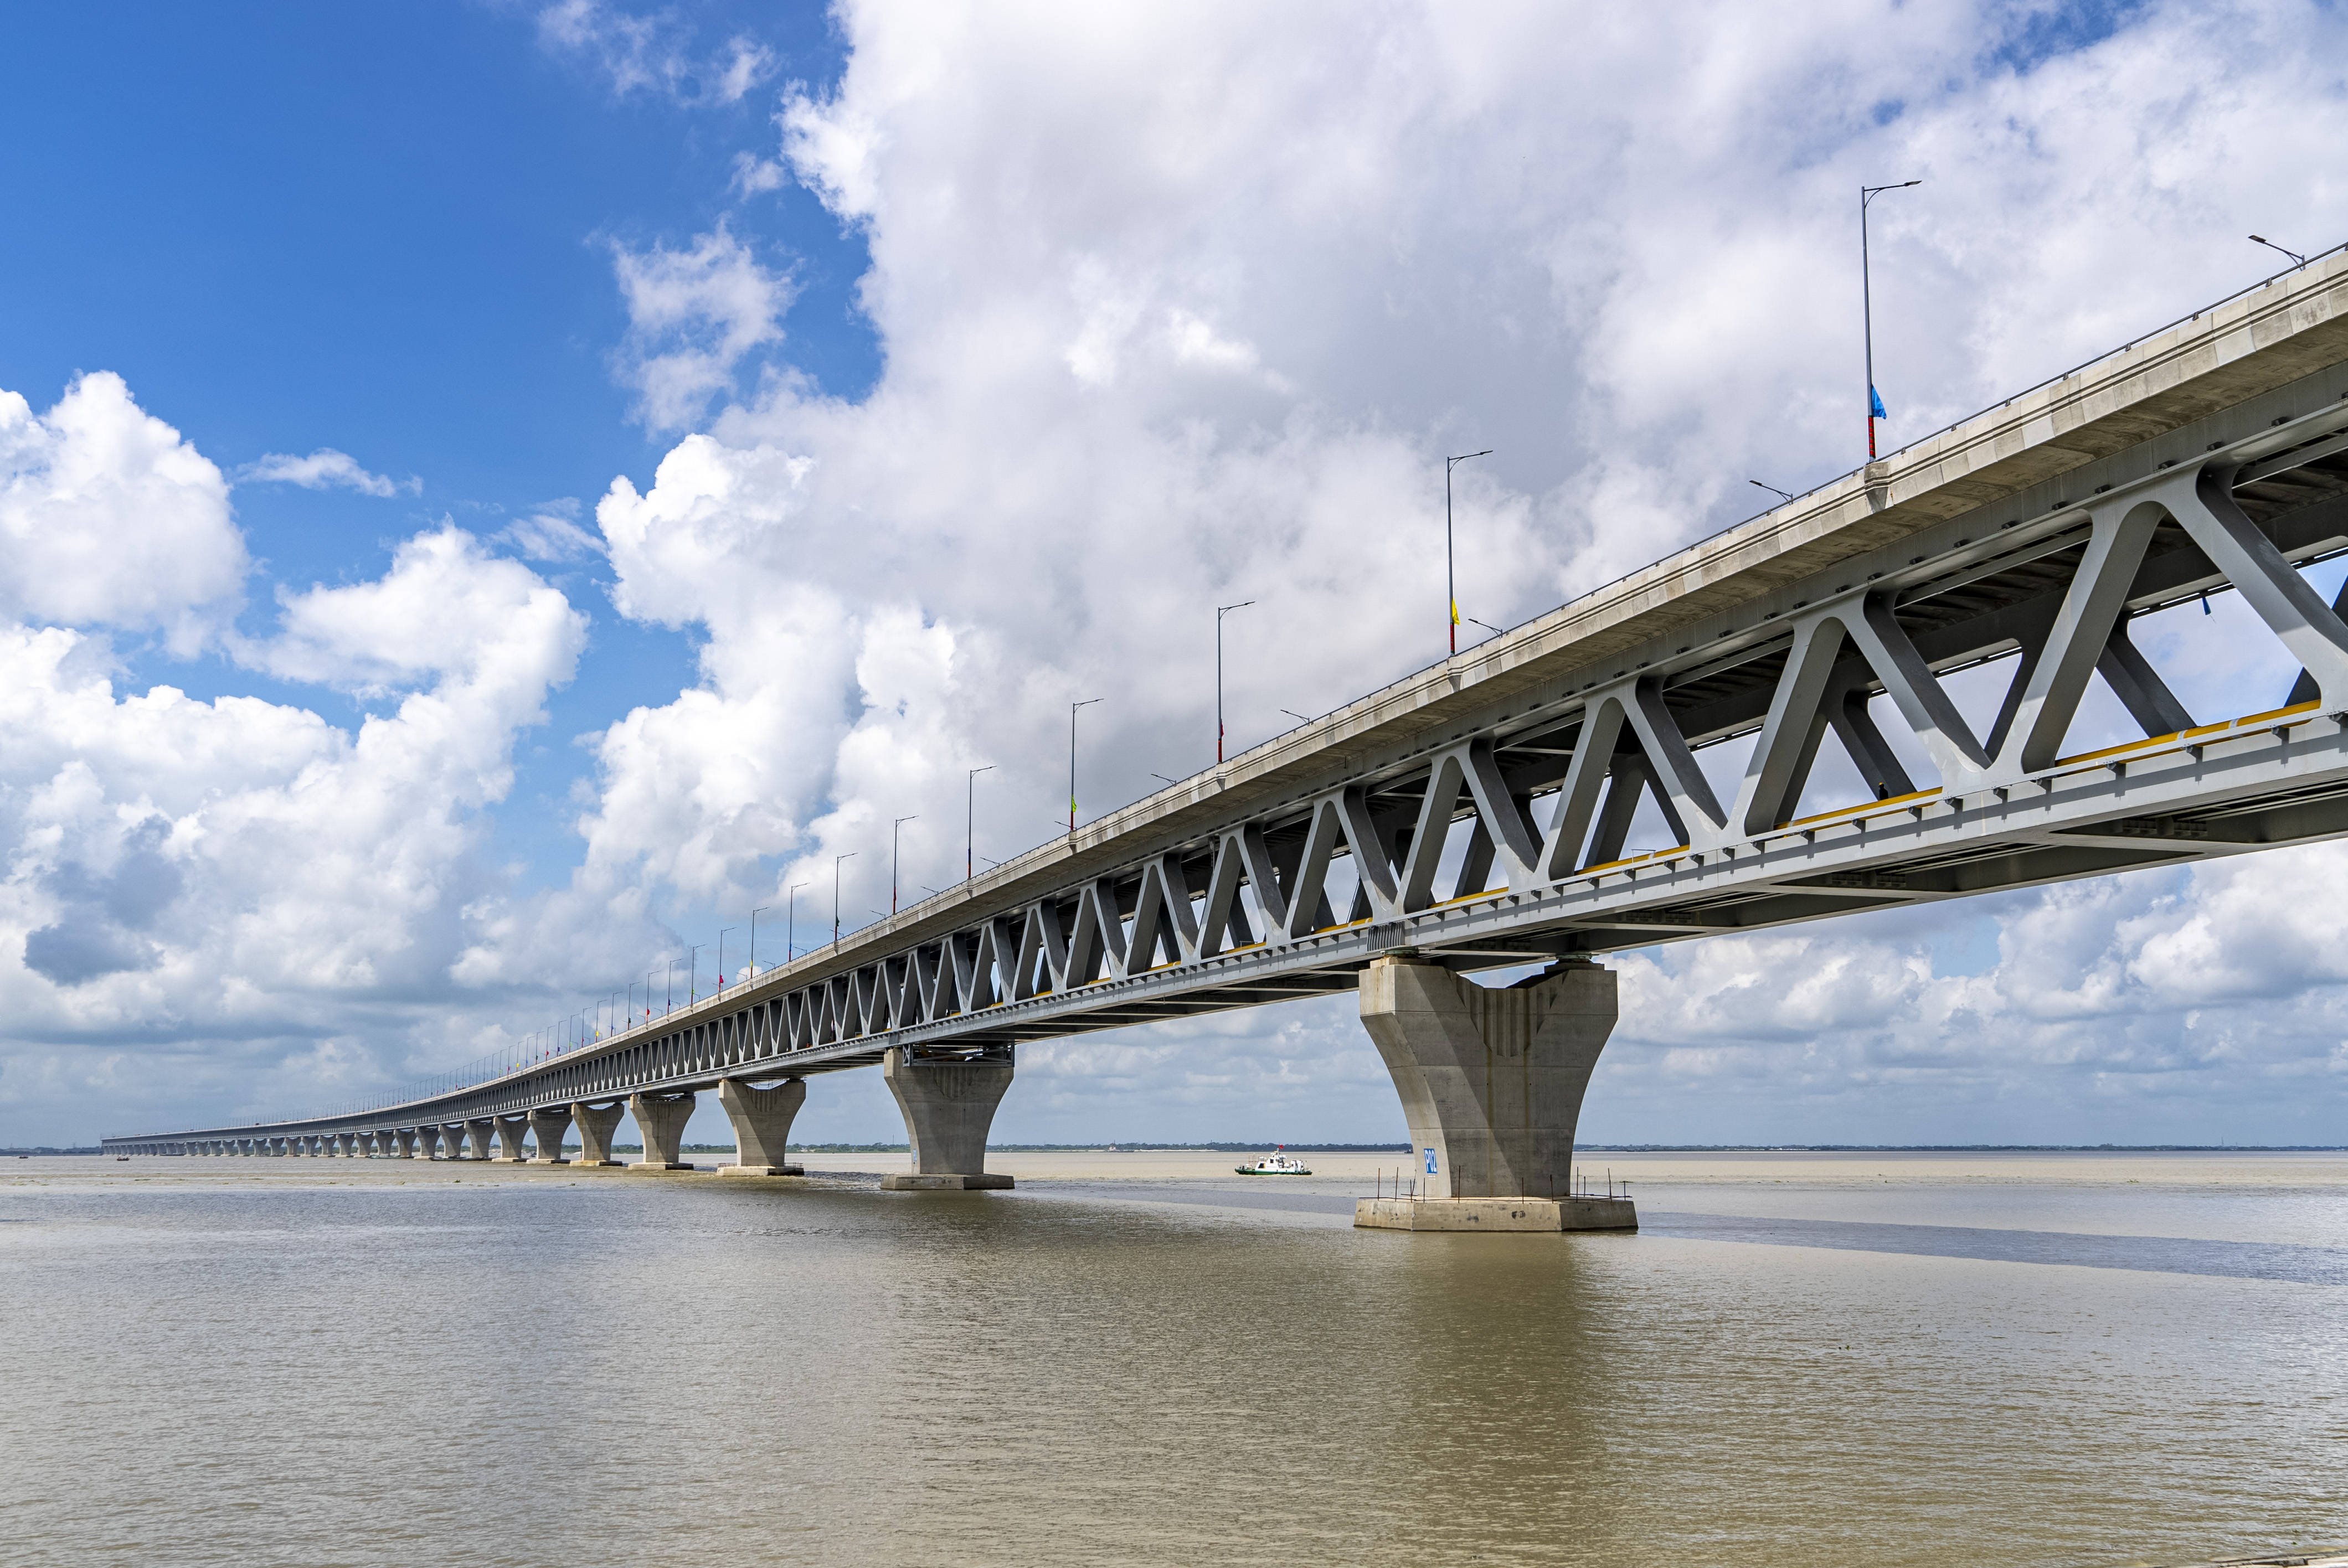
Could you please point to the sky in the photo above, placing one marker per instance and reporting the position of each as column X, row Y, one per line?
column 492, row 495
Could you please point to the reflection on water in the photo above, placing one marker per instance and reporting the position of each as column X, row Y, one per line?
column 370, row 1363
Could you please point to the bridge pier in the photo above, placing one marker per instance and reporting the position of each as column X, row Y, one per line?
column 407, row 1137
column 1491, row 1083
column 948, row 1104
column 481, row 1131
column 511, row 1130
column 428, row 1141
column 661, row 1119
column 762, row 1126
column 595, row 1123
column 546, row 1125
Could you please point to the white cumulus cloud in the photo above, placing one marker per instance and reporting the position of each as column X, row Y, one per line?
column 693, row 315
column 109, row 518
column 324, row 469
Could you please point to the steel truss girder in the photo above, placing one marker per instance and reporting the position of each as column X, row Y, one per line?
column 1544, row 785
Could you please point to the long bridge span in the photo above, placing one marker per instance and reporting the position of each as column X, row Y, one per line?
column 1474, row 815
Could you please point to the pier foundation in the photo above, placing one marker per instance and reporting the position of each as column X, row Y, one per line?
column 595, row 1123
column 661, row 1118
column 762, row 1126
column 948, row 1104
column 1491, row 1082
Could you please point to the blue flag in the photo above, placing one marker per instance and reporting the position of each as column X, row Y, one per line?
column 1875, row 404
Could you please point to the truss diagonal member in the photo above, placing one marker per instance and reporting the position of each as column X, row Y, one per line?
column 1627, row 780
column 1917, row 692
column 2083, row 629
column 1342, row 814
column 1780, row 764
column 2203, row 506
column 1161, row 917
column 1040, row 938
column 1222, row 918
column 2138, row 685
column 2302, row 690
column 1505, row 833
column 1853, row 721
column 1373, row 862
column 1100, row 935
column 1681, row 789
column 998, row 963
column 1577, row 798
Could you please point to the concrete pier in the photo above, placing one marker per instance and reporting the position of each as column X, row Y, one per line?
column 948, row 1104
column 479, row 1134
column 661, row 1118
column 406, row 1136
column 595, row 1123
column 547, row 1126
column 511, row 1130
column 428, row 1141
column 762, row 1126
column 1491, row 1083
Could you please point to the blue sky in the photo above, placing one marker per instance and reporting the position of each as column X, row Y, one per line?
column 386, row 230
column 751, row 417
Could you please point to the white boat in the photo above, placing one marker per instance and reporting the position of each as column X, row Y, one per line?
column 1275, row 1164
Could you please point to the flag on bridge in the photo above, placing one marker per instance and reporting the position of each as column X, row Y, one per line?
column 1875, row 404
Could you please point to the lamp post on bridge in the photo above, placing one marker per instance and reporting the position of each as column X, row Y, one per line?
column 1450, row 576
column 791, row 922
column 970, row 820
column 1220, row 611
column 721, row 958
column 750, row 970
column 835, row 892
column 2297, row 259
column 892, row 858
column 1072, row 759
column 1868, row 193
column 693, row 973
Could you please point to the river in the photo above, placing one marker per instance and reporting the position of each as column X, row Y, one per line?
column 1803, row 1360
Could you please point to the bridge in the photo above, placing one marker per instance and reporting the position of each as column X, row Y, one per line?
column 1475, row 816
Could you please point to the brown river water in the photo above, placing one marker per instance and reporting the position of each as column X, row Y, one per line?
column 1803, row 1360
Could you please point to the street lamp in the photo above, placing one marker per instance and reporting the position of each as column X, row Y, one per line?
column 1868, row 193
column 1220, row 611
column 754, row 938
column 1772, row 489
column 1072, row 759
column 835, row 893
column 1450, row 578
column 893, row 859
column 693, row 973
column 791, row 922
column 2262, row 240
column 969, row 821
column 721, row 958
